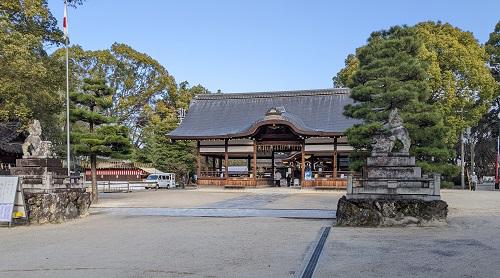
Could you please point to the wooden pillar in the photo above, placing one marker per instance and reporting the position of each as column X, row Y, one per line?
column 302, row 165
column 214, row 170
column 334, row 164
column 198, row 160
column 272, row 164
column 206, row 166
column 334, row 161
column 254, row 169
column 220, row 165
column 226, row 158
column 249, row 165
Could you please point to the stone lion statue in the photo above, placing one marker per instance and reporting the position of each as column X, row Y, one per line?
column 34, row 146
column 384, row 143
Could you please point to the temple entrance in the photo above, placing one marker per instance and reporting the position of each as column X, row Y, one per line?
column 251, row 139
column 279, row 164
column 273, row 156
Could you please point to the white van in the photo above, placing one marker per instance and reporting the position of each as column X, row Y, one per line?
column 163, row 180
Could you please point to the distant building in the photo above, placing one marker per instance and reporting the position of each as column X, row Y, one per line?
column 120, row 171
column 11, row 142
column 299, row 134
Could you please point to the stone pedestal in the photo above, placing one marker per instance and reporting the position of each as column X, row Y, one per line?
column 39, row 174
column 394, row 177
column 390, row 212
column 56, row 206
column 392, row 192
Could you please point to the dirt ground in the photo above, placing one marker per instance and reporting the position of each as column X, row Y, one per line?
column 110, row 245
column 469, row 246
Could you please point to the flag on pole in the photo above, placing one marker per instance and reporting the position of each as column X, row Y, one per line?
column 65, row 20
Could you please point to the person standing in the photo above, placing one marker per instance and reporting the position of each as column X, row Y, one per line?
column 277, row 178
column 474, row 181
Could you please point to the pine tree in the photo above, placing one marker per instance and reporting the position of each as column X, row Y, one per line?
column 390, row 74
column 96, row 133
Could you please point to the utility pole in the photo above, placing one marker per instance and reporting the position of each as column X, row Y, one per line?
column 472, row 146
column 65, row 26
column 497, row 184
column 462, row 161
column 472, row 157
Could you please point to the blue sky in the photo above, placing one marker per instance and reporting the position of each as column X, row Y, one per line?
column 258, row 45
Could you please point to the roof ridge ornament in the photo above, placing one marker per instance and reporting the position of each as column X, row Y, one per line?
column 276, row 111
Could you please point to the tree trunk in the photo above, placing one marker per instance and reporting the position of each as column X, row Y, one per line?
column 93, row 169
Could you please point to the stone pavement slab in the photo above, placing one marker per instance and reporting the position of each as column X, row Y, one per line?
column 220, row 212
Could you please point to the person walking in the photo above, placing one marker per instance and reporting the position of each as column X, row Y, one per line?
column 474, row 181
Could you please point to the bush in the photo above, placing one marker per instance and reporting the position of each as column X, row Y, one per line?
column 447, row 184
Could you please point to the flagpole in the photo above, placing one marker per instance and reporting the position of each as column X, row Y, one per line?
column 68, row 151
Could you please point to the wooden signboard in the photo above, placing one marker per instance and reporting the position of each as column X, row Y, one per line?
column 11, row 199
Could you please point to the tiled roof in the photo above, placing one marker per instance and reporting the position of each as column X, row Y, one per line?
column 8, row 133
column 308, row 112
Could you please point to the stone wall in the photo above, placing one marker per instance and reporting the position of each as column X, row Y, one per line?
column 57, row 206
column 374, row 213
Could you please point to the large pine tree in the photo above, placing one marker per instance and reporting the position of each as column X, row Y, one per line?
column 96, row 133
column 435, row 73
column 390, row 74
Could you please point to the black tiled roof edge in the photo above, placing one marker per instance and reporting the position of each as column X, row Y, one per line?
column 11, row 147
column 8, row 131
column 272, row 94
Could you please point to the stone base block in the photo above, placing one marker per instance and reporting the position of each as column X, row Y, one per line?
column 393, row 193
column 386, row 183
column 39, row 162
column 401, row 172
column 37, row 171
column 386, row 213
column 390, row 161
column 56, row 207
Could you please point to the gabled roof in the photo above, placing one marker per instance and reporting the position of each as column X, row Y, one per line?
column 307, row 112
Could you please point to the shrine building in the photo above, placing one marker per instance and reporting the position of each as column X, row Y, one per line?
column 288, row 138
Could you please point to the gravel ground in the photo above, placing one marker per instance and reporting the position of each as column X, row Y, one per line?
column 468, row 247
column 116, row 245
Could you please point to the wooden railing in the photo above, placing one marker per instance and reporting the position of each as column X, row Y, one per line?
column 220, row 174
column 248, row 174
column 5, row 168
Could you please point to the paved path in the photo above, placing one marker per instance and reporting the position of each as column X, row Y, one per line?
column 220, row 212
column 248, row 205
column 249, row 201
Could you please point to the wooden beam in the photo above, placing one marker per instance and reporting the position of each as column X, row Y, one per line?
column 334, row 161
column 272, row 165
column 213, row 165
column 226, row 158
column 254, row 170
column 198, row 159
column 206, row 164
column 302, row 165
column 334, row 164
column 220, row 165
